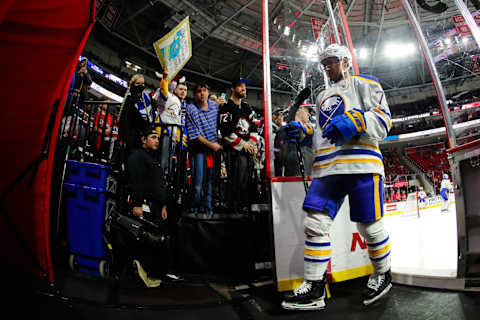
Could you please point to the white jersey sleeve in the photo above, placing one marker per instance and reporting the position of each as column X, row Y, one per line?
column 374, row 104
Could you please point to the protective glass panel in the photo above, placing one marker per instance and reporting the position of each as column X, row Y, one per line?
column 295, row 41
column 457, row 58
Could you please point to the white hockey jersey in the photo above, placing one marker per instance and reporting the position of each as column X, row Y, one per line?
column 168, row 108
column 360, row 154
column 446, row 184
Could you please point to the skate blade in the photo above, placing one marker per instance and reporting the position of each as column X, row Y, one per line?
column 368, row 302
column 315, row 305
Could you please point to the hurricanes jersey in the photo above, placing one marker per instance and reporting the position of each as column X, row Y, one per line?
column 361, row 154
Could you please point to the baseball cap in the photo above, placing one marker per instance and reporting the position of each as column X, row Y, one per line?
column 237, row 82
column 148, row 131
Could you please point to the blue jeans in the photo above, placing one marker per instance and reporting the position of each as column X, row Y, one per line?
column 202, row 182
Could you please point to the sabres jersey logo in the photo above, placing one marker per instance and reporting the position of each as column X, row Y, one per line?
column 330, row 108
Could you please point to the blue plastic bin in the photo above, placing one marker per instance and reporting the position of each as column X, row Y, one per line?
column 85, row 225
column 87, row 174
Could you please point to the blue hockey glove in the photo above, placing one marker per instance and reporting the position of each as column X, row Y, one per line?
column 293, row 133
column 344, row 127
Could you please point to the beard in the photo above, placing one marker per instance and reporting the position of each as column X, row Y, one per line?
column 240, row 95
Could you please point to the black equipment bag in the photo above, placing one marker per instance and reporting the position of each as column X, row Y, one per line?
column 142, row 230
column 139, row 239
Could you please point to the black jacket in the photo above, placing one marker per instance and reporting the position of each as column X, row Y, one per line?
column 131, row 124
column 146, row 177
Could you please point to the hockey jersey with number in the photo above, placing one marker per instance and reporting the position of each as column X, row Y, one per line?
column 235, row 123
column 361, row 154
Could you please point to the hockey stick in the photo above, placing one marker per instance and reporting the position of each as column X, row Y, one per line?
column 302, row 96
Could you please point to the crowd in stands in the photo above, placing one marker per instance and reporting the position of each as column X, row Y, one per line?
column 434, row 118
column 231, row 144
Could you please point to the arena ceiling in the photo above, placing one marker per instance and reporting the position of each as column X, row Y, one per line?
column 226, row 38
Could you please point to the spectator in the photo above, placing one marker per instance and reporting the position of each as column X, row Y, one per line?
column 279, row 139
column 77, row 94
column 213, row 98
column 240, row 139
column 99, row 125
column 146, row 178
column 81, row 81
column 136, row 114
column 170, row 116
column 201, row 121
column 306, row 146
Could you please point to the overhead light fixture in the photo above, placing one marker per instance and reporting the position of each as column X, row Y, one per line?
column 410, row 49
column 286, row 32
column 363, row 53
column 132, row 66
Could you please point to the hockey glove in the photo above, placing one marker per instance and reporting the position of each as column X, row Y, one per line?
column 344, row 127
column 293, row 133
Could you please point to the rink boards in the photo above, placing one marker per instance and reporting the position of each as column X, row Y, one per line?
column 349, row 257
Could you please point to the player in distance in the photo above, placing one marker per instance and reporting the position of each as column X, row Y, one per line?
column 445, row 189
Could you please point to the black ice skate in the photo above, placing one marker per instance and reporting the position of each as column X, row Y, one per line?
column 309, row 296
column 378, row 285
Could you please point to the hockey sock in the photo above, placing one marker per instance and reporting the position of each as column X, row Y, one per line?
column 378, row 243
column 317, row 245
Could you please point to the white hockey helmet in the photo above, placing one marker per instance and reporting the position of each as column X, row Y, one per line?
column 336, row 51
column 445, row 176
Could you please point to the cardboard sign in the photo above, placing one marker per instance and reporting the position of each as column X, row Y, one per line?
column 175, row 49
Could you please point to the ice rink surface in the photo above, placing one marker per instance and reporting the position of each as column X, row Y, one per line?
column 424, row 245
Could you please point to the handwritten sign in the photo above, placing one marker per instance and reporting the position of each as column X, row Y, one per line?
column 175, row 49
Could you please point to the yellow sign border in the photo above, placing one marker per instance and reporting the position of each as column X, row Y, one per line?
column 158, row 51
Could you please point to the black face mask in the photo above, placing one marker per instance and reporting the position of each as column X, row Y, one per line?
column 137, row 89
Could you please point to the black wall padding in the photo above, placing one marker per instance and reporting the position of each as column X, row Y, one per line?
column 223, row 247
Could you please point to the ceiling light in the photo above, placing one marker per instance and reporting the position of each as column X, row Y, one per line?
column 286, row 32
column 393, row 50
column 397, row 50
column 410, row 49
column 363, row 53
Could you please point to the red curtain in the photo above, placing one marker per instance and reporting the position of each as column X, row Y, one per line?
column 40, row 42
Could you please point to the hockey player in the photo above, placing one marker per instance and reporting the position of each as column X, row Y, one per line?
column 445, row 188
column 422, row 198
column 353, row 116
